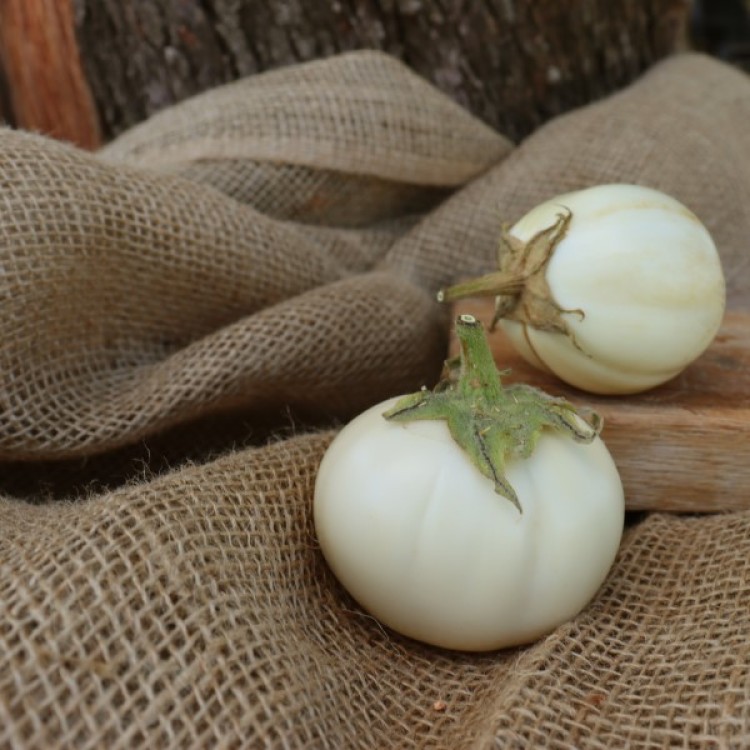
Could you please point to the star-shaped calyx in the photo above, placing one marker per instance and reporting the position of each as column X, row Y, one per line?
column 520, row 286
column 490, row 422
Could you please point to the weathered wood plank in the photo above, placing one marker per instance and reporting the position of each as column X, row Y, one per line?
column 46, row 86
column 684, row 446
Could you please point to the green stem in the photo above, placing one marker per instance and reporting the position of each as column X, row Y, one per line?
column 490, row 422
column 478, row 371
column 489, row 285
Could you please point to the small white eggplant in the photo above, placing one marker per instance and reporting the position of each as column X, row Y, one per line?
column 615, row 289
column 472, row 517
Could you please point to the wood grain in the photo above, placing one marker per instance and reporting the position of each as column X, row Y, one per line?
column 684, row 446
column 47, row 89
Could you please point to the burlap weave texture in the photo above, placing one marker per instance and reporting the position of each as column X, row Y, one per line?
column 196, row 611
column 276, row 244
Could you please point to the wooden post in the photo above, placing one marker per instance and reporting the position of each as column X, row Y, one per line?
column 46, row 88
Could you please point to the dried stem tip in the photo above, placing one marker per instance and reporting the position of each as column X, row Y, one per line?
column 520, row 286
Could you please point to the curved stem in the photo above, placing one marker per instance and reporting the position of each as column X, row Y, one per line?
column 489, row 285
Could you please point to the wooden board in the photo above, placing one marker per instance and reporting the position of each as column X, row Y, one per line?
column 684, row 446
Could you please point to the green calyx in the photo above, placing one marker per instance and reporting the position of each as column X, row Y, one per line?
column 520, row 285
column 492, row 423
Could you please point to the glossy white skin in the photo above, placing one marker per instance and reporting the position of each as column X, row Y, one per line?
column 420, row 539
column 647, row 275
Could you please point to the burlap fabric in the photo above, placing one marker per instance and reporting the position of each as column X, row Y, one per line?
column 259, row 262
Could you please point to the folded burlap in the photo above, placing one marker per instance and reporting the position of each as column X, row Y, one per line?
column 137, row 300
column 275, row 245
column 197, row 611
column 681, row 129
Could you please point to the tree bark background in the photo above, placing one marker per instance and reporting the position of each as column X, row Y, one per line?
column 514, row 63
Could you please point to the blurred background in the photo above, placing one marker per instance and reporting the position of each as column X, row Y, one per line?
column 85, row 70
column 722, row 28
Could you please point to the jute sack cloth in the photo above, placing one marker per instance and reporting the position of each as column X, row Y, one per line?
column 680, row 129
column 137, row 300
column 144, row 300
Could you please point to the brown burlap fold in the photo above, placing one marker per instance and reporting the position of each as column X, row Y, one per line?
column 138, row 299
column 197, row 611
column 682, row 129
column 344, row 141
column 257, row 250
